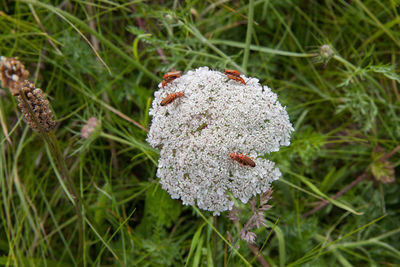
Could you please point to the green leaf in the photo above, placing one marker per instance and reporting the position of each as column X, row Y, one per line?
column 306, row 181
column 387, row 70
column 161, row 207
column 197, row 255
column 333, row 177
column 194, row 244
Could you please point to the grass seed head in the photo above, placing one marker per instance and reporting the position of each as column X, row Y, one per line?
column 39, row 105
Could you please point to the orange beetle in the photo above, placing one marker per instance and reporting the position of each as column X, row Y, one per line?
column 242, row 159
column 170, row 98
column 170, row 76
column 234, row 75
column 232, row 72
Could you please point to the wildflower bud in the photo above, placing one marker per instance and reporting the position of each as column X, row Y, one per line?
column 39, row 105
column 12, row 74
column 89, row 127
column 169, row 18
column 217, row 116
column 325, row 52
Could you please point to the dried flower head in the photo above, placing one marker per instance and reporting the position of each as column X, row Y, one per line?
column 325, row 52
column 39, row 106
column 217, row 116
column 12, row 74
column 257, row 218
column 89, row 127
column 248, row 236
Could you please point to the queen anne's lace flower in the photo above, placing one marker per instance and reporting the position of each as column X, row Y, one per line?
column 197, row 132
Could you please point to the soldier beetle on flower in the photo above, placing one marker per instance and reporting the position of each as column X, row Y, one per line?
column 170, row 98
column 242, row 159
column 234, row 75
column 170, row 76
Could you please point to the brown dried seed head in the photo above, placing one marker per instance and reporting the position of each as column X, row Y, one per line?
column 12, row 74
column 40, row 107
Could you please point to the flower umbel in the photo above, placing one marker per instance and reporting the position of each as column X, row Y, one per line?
column 217, row 116
column 12, row 74
column 39, row 105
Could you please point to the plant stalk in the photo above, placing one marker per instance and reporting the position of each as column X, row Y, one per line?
column 248, row 36
column 51, row 141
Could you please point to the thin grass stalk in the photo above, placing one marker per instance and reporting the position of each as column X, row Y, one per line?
column 208, row 43
column 245, row 262
column 248, row 36
column 215, row 237
column 55, row 151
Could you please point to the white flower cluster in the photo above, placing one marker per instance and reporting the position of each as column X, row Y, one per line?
column 197, row 132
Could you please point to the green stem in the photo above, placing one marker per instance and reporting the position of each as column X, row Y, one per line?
column 248, row 36
column 355, row 69
column 261, row 49
column 221, row 236
column 345, row 62
column 51, row 141
column 208, row 43
column 215, row 237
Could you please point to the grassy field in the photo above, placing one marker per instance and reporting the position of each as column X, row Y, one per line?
column 333, row 64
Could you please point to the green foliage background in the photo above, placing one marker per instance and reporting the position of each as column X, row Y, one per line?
column 104, row 59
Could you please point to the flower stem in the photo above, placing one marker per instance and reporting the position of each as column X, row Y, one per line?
column 51, row 141
column 248, row 36
column 215, row 223
column 324, row 203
